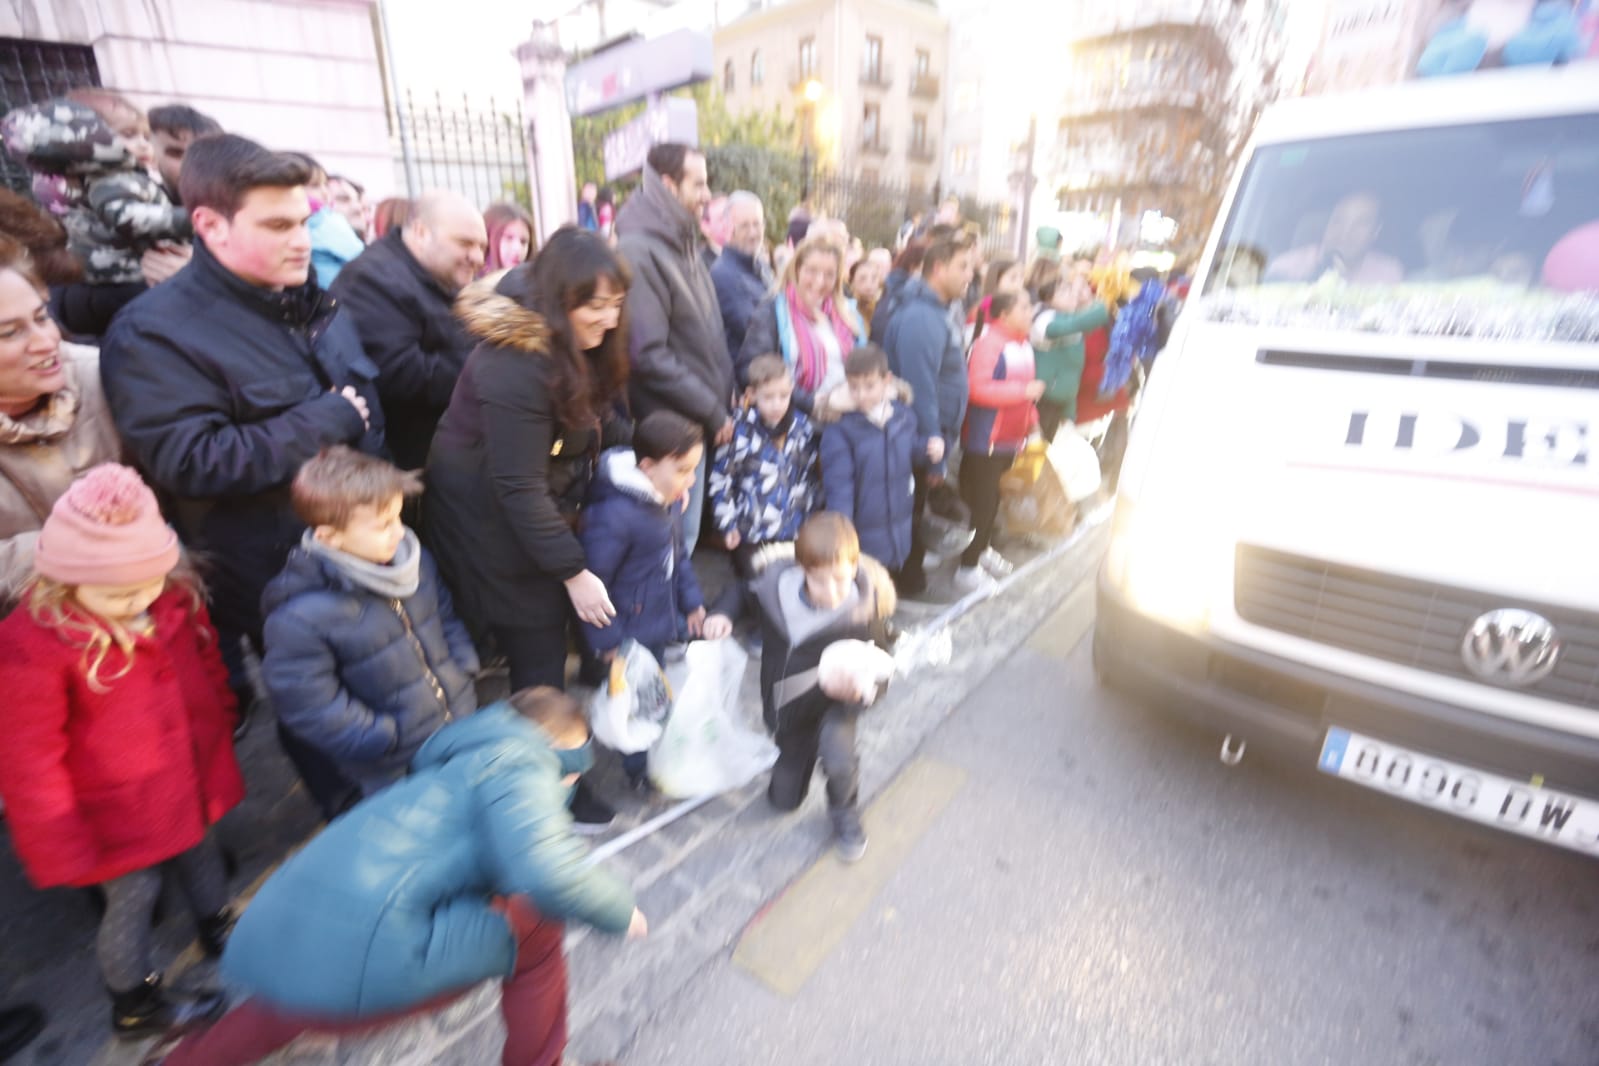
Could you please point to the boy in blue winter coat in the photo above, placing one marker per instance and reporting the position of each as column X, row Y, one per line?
column 869, row 459
column 633, row 540
column 766, row 480
column 365, row 658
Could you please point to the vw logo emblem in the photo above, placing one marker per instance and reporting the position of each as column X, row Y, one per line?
column 1511, row 646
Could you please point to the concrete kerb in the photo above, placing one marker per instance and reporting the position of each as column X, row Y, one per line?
column 617, row 987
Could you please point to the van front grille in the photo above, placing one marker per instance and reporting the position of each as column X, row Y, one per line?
column 1399, row 620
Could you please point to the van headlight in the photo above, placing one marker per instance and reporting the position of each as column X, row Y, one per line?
column 1174, row 564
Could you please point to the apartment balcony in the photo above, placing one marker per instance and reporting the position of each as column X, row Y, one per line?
column 874, row 144
column 924, row 86
column 876, row 75
column 922, row 152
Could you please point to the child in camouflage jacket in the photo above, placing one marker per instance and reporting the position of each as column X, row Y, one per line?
column 113, row 209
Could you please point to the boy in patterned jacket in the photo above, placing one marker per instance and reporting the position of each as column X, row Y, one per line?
column 766, row 480
column 95, row 153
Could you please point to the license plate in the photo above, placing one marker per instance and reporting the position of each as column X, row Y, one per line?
column 1463, row 791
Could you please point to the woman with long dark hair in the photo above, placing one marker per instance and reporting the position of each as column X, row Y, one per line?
column 538, row 399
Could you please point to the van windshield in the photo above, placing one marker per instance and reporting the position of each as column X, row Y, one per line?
column 1479, row 230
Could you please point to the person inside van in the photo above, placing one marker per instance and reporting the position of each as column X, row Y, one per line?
column 1346, row 248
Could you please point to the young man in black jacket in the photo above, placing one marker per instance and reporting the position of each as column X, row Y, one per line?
column 225, row 379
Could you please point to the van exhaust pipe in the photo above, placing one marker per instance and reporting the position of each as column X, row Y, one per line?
column 1232, row 750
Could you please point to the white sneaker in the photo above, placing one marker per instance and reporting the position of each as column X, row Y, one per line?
column 974, row 579
column 996, row 564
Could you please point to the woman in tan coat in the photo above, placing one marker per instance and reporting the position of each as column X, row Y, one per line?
column 53, row 418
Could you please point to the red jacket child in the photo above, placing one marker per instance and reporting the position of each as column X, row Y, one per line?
column 1001, row 412
column 98, row 784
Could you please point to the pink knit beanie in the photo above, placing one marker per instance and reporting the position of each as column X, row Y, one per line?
column 106, row 529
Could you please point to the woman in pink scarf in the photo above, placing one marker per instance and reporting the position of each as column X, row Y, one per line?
column 809, row 322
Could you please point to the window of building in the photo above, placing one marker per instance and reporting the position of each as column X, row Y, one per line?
column 872, row 61
column 757, row 70
column 872, row 125
column 919, row 132
column 727, row 76
column 807, row 58
column 924, row 63
column 961, row 161
column 871, row 177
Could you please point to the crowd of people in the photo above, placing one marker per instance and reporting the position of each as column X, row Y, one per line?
column 373, row 449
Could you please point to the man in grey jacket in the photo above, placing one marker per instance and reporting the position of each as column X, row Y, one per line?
column 679, row 353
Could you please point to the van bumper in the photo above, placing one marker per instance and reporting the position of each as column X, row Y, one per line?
column 1287, row 707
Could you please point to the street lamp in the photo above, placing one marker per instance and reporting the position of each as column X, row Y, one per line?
column 811, row 93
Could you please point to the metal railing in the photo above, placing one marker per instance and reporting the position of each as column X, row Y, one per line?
column 479, row 151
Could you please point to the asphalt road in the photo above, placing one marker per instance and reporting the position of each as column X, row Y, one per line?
column 1099, row 889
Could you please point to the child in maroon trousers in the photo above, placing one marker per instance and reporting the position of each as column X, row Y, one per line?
column 465, row 871
column 532, row 1002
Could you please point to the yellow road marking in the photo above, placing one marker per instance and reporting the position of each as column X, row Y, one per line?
column 790, row 939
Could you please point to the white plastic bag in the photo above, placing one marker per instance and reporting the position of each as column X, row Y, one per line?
column 629, row 711
column 1076, row 463
column 708, row 744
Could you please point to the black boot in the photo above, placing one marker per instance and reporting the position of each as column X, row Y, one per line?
column 215, row 930
column 245, row 697
column 18, row 1027
column 147, row 1010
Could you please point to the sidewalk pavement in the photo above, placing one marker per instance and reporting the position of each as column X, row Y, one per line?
column 700, row 878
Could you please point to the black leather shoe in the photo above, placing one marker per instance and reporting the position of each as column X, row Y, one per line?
column 148, row 1010
column 18, row 1027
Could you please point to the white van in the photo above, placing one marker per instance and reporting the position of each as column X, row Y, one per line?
column 1358, row 521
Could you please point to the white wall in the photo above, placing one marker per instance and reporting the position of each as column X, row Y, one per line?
column 292, row 74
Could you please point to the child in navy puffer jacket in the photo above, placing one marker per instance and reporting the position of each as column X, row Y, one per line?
column 870, row 456
column 766, row 481
column 365, row 658
column 633, row 541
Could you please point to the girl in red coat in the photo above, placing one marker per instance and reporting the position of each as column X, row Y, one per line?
column 118, row 752
column 1000, row 416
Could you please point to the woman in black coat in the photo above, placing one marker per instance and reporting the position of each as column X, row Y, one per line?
column 538, row 399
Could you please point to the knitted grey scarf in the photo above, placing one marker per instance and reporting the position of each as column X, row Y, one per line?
column 396, row 581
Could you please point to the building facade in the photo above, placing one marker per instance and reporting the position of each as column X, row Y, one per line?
column 1155, row 105
column 292, row 74
column 864, row 79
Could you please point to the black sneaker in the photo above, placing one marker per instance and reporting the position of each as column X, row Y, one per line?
column 590, row 814
column 148, row 1010
column 849, row 835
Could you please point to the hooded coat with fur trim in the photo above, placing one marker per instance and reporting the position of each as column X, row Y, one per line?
column 505, row 476
column 635, row 546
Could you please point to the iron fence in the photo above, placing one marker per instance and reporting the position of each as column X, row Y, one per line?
column 479, row 151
